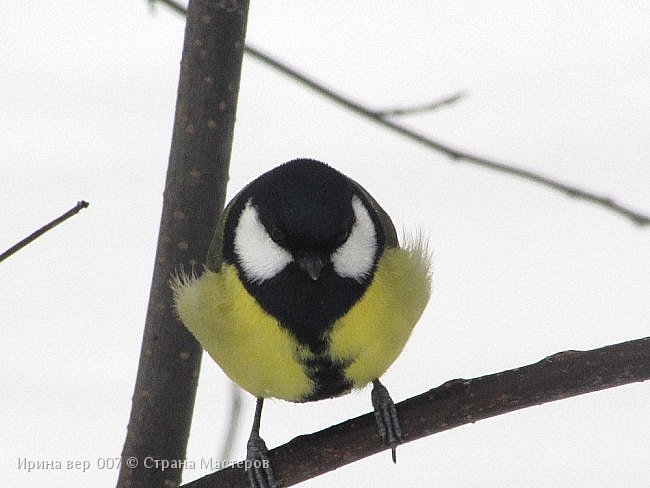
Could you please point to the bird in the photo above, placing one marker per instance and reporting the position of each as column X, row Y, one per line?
column 306, row 294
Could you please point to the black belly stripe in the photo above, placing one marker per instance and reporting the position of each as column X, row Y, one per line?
column 308, row 309
column 328, row 378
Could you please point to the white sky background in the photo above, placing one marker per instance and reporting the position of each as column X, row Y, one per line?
column 87, row 96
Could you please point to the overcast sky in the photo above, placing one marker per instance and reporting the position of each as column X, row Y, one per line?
column 87, row 96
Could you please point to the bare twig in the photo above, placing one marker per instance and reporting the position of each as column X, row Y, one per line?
column 455, row 403
column 175, row 6
column 424, row 107
column 454, row 153
column 234, row 418
column 36, row 234
column 379, row 117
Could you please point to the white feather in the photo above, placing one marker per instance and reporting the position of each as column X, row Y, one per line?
column 356, row 256
column 259, row 257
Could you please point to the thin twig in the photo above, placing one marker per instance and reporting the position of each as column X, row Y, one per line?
column 36, row 234
column 175, row 6
column 454, row 153
column 234, row 418
column 423, row 107
column 455, row 403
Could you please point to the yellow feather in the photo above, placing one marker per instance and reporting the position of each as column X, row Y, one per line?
column 373, row 333
column 246, row 342
column 264, row 359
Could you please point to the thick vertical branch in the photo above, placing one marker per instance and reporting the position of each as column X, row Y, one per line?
column 194, row 195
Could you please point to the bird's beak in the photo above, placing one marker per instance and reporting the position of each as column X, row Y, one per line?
column 312, row 265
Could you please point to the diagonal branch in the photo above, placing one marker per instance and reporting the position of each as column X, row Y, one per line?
column 39, row 232
column 454, row 153
column 172, row 4
column 455, row 403
column 423, row 107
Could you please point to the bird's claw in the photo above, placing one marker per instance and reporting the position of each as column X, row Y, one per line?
column 258, row 466
column 388, row 424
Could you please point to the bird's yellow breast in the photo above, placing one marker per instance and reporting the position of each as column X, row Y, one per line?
column 246, row 342
column 373, row 332
column 262, row 357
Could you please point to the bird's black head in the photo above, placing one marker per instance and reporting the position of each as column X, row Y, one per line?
column 305, row 241
column 305, row 206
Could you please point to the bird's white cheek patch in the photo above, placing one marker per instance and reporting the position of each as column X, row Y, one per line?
column 356, row 256
column 259, row 257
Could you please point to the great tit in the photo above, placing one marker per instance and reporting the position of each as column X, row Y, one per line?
column 306, row 294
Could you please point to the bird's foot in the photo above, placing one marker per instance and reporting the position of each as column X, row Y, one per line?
column 388, row 425
column 258, row 467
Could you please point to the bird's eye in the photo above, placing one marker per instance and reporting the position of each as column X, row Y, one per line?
column 341, row 237
column 277, row 235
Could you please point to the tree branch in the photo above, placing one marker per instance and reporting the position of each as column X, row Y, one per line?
column 38, row 233
column 423, row 107
column 194, row 195
column 173, row 5
column 455, row 403
column 454, row 153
